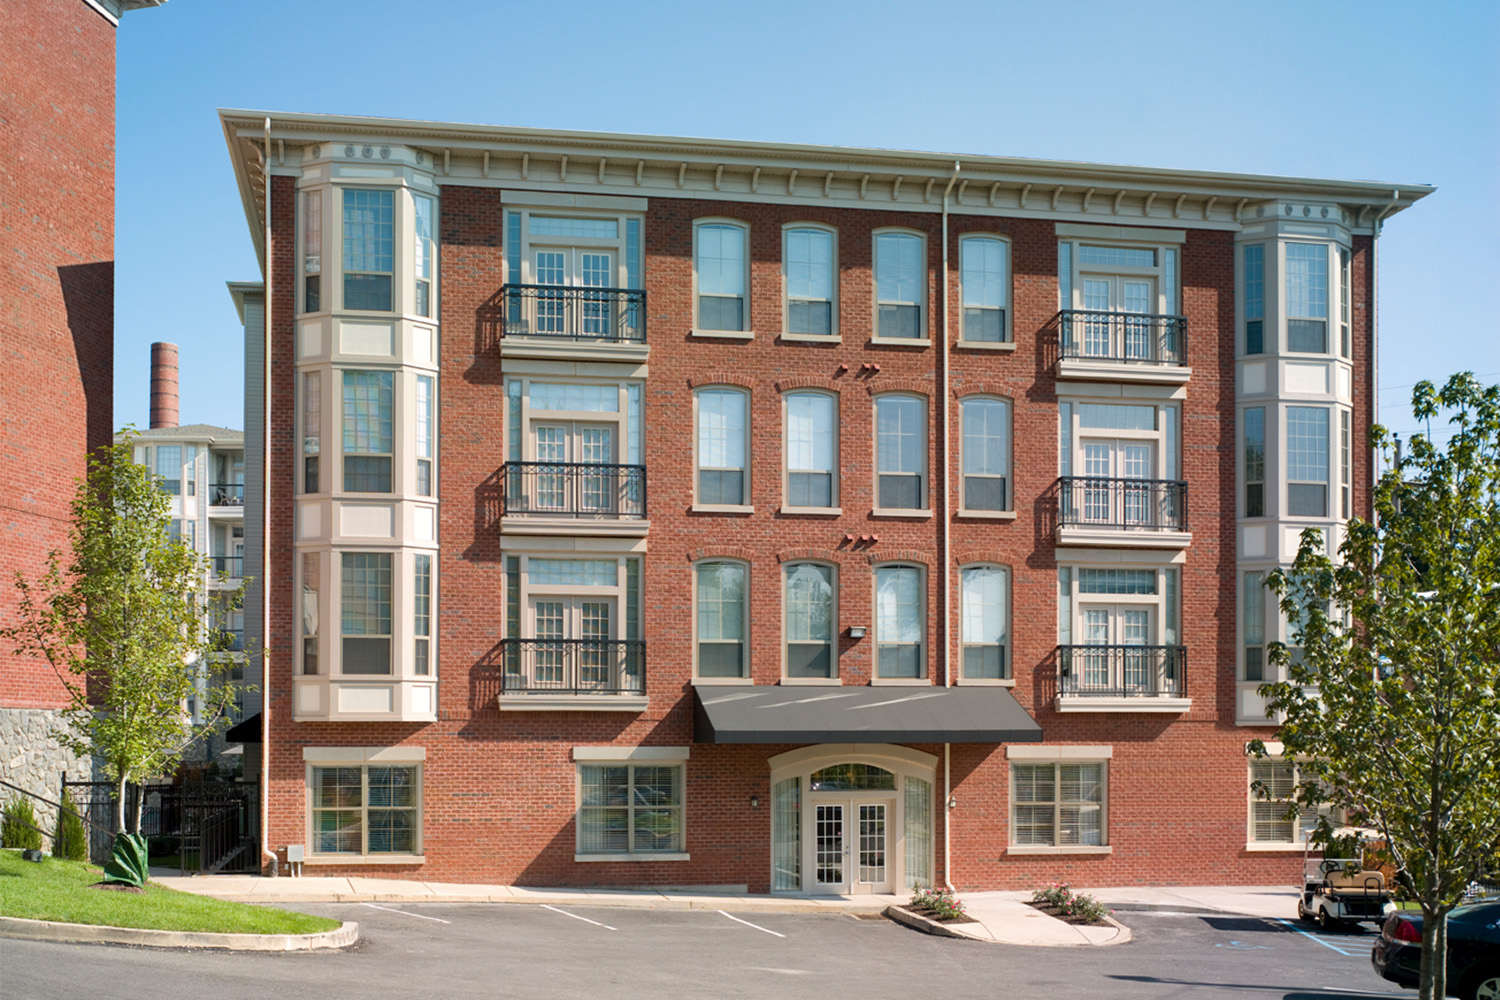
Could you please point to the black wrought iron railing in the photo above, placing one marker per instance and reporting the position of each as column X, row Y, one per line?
column 231, row 640
column 1103, row 502
column 1126, row 338
column 229, row 567
column 573, row 313
column 1121, row 671
column 574, row 666
column 226, row 494
column 575, row 489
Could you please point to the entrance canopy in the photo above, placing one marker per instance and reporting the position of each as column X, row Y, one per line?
column 767, row 714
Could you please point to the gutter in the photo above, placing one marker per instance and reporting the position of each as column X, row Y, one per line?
column 945, row 573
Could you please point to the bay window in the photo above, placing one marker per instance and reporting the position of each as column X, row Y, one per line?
column 368, row 251
column 368, row 414
column 1307, row 461
column 365, row 598
column 1307, row 298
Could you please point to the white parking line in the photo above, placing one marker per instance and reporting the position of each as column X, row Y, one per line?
column 747, row 923
column 1310, row 937
column 419, row 916
column 577, row 917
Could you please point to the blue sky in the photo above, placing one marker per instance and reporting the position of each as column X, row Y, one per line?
column 1405, row 93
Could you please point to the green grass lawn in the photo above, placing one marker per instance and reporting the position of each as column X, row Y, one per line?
column 59, row 890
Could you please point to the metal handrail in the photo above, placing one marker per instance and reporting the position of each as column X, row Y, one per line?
column 570, row 312
column 230, row 567
column 574, row 666
column 574, row 489
column 1121, row 502
column 226, row 494
column 1122, row 671
column 1123, row 337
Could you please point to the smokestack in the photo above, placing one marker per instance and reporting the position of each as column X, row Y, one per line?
column 163, row 385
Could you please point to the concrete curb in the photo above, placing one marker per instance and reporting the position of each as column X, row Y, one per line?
column 49, row 930
column 643, row 902
column 929, row 926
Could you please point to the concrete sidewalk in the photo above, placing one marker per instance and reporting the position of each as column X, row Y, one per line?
column 1000, row 917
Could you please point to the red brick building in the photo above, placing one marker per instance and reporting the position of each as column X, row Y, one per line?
column 654, row 511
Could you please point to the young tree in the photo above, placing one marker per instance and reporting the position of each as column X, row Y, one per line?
column 1393, row 708
column 122, row 624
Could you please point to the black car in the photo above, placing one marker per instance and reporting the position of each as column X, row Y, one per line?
column 1473, row 950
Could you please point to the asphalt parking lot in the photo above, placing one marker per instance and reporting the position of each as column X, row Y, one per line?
column 461, row 951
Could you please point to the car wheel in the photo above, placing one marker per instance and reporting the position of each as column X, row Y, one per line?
column 1483, row 986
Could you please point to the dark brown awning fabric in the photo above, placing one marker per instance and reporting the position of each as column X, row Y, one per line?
column 766, row 714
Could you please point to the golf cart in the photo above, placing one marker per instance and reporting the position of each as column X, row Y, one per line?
column 1338, row 890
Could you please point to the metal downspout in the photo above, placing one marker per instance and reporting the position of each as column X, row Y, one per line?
column 944, row 570
column 265, row 536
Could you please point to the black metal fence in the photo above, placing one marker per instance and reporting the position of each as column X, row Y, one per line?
column 229, row 567
column 573, row 313
column 574, row 666
column 1124, row 337
column 1122, row 671
column 574, row 489
column 1102, row 502
column 205, row 827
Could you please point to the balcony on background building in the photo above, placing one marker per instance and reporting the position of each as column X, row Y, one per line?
column 570, row 321
column 1122, row 512
column 1122, row 346
column 230, row 640
column 573, row 675
column 1122, row 679
column 573, row 498
column 227, row 570
column 226, row 495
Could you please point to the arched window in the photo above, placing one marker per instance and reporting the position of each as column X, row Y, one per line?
column 900, row 622
column 986, row 454
column 721, row 264
column 985, row 603
column 901, row 452
column 723, row 446
column 720, row 594
column 809, row 603
column 900, row 280
column 811, row 449
column 984, row 265
column 808, row 260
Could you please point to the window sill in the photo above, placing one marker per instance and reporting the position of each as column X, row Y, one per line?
column 878, row 341
column 900, row 682
column 720, row 681
column 999, row 682
column 985, row 345
column 722, row 334
column 812, row 682
column 633, row 857
column 813, row 511
column 366, row 859
column 897, row 512
column 986, row 515
column 811, row 338
column 1273, row 848
column 1069, row 849
column 721, row 508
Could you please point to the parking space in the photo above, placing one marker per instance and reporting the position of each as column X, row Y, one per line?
column 562, row 951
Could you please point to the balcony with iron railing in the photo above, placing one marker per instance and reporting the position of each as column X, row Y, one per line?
column 573, row 498
column 226, row 495
column 229, row 570
column 230, row 640
column 573, row 674
column 1122, row 346
column 549, row 320
column 1122, row 512
column 1122, row 678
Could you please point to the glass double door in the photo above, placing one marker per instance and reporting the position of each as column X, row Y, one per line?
column 1113, row 668
column 1110, row 497
column 576, row 470
column 849, row 850
column 573, row 644
column 1113, row 329
column 561, row 311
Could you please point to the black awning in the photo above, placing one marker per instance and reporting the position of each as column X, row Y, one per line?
column 246, row 732
column 767, row 714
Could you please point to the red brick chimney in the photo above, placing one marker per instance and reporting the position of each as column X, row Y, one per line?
column 163, row 385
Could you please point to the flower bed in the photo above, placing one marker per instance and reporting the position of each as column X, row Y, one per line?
column 1058, row 900
column 938, row 905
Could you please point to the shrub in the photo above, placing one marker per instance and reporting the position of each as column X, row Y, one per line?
column 1056, row 894
column 71, row 840
column 18, row 827
column 940, row 903
column 1067, row 903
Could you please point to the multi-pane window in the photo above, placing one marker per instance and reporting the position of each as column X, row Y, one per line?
column 723, row 446
column 169, row 468
column 1307, row 298
column 900, row 452
column 899, row 619
column 1057, row 804
column 1253, row 624
column 985, row 275
column 898, row 285
column 365, row 595
column 986, row 454
column 1274, row 782
column 312, row 430
column 312, row 250
column 1307, row 461
column 424, row 435
column 311, row 579
column 986, row 633
column 368, row 413
column 809, row 282
column 809, row 621
column 373, row 809
column 630, row 808
column 369, row 242
column 722, row 615
column 422, row 293
column 1343, row 303
column 1346, row 467
column 1255, row 461
column 720, row 263
column 811, row 446
column 422, row 614
column 1253, row 270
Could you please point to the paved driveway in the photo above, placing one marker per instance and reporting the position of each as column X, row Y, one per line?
column 459, row 951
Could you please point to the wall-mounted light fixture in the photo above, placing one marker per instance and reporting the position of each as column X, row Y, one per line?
column 755, row 802
column 856, row 631
column 952, row 802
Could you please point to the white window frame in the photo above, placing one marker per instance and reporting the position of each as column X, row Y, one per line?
column 1330, row 455
column 364, row 758
column 1157, row 602
column 1167, row 461
column 745, row 506
column 833, row 623
column 395, row 661
column 744, row 676
column 786, row 454
column 747, row 327
column 923, row 642
column 833, row 336
column 1007, row 674
column 924, row 488
column 1330, row 295
column 1167, row 299
column 631, row 757
column 924, row 335
column 398, row 258
column 1242, row 263
column 313, row 260
column 1008, row 511
column 1007, row 340
column 1058, row 757
column 1301, row 826
column 393, row 471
